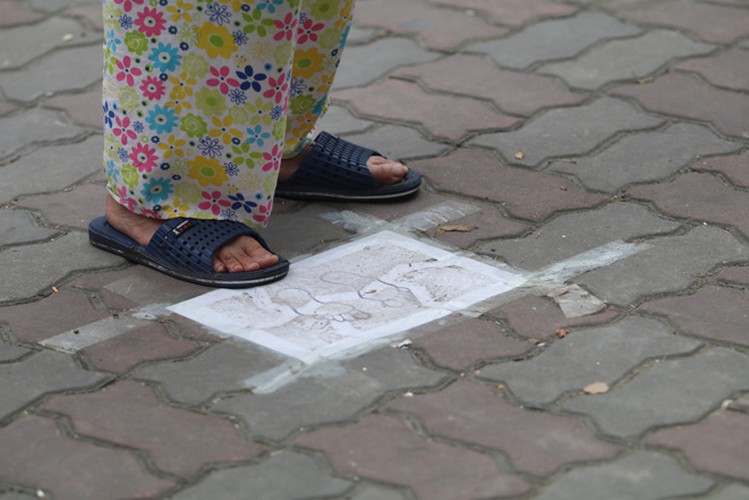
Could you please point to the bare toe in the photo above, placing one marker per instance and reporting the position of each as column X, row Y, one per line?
column 242, row 254
column 386, row 171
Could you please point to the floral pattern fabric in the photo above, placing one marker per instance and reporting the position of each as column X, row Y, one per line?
column 203, row 98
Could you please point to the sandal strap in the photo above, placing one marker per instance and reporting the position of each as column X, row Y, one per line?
column 189, row 244
column 335, row 163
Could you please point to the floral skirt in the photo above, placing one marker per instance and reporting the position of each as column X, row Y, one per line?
column 203, row 98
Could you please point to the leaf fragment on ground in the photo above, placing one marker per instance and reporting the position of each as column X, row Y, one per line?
column 459, row 228
column 597, row 388
column 520, row 154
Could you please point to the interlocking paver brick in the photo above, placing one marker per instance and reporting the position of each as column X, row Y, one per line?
column 660, row 394
column 733, row 167
column 20, row 227
column 16, row 496
column 129, row 414
column 284, row 475
column 720, row 444
column 330, row 392
column 669, row 265
column 462, row 345
column 224, row 367
column 730, row 492
column 523, row 193
column 679, row 94
column 20, row 131
column 398, row 142
column 74, row 208
column 12, row 13
column 7, row 107
column 56, row 5
column 338, row 120
column 376, row 492
column 645, row 475
column 383, row 448
column 625, row 59
column 555, row 39
column 741, row 403
column 22, row 44
column 488, row 223
column 51, row 73
column 31, row 173
column 69, row 469
column 402, row 101
column 725, row 69
column 736, row 274
column 539, row 318
column 26, row 380
column 513, row 92
column 425, row 202
column 567, row 132
column 83, row 108
column 645, row 156
column 11, row 352
column 512, row 12
column 712, row 312
column 308, row 227
column 575, row 233
column 585, row 356
column 123, row 352
column 435, row 27
column 41, row 320
column 382, row 57
column 91, row 13
column 539, row 444
column 712, row 23
column 32, row 269
column 702, row 197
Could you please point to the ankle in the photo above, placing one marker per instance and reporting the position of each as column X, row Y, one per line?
column 139, row 228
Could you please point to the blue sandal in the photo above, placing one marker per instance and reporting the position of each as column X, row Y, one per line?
column 336, row 170
column 183, row 248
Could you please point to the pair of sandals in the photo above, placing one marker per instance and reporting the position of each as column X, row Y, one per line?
column 333, row 170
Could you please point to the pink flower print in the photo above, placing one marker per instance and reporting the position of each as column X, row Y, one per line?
column 264, row 215
column 122, row 129
column 150, row 22
column 279, row 88
column 126, row 200
column 144, row 158
column 153, row 88
column 285, row 28
column 222, row 80
column 128, row 4
column 213, row 202
column 126, row 72
column 307, row 31
column 273, row 159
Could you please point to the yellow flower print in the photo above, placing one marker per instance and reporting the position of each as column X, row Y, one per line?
column 181, row 11
column 216, row 40
column 307, row 62
column 260, row 50
column 224, row 129
column 207, row 171
column 172, row 146
column 182, row 86
column 189, row 193
column 259, row 112
column 325, row 9
column 179, row 105
column 210, row 101
column 236, row 5
column 177, row 209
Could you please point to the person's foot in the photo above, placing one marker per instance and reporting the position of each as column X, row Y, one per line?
column 240, row 254
column 384, row 170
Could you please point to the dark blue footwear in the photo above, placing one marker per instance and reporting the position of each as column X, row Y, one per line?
column 183, row 248
column 336, row 170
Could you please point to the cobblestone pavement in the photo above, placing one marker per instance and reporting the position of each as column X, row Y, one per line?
column 568, row 126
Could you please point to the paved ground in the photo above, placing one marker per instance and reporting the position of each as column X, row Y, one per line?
column 565, row 126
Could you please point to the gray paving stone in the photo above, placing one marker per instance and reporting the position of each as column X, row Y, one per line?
column 643, row 475
column 330, row 392
column 20, row 227
column 11, row 352
column 398, row 142
column 55, row 5
column 376, row 492
column 51, row 168
column 51, row 73
column 645, row 156
column 382, row 57
column 285, row 475
column 20, row 45
column 35, row 125
column 222, row 368
column 625, row 59
column 310, row 231
column 571, row 234
column 360, row 35
column 556, row 39
column 731, row 492
column 672, row 264
column 664, row 394
column 565, row 132
column 29, row 269
column 47, row 371
column 339, row 121
column 600, row 354
column 16, row 496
